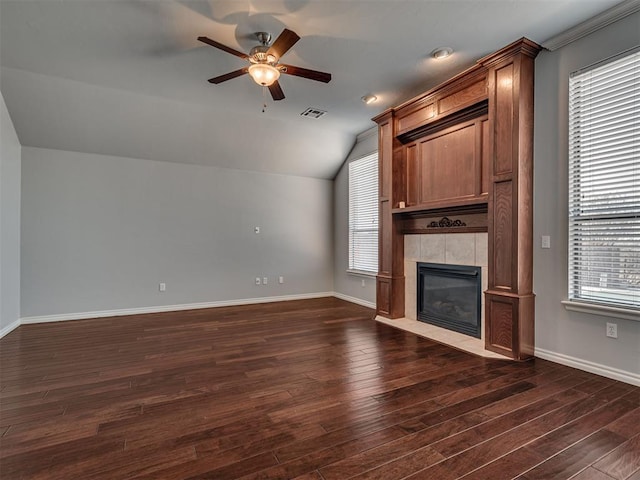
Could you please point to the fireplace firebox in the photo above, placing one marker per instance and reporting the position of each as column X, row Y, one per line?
column 450, row 296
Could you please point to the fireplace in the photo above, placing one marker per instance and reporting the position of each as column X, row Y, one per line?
column 450, row 296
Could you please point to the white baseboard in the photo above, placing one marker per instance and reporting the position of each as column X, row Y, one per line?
column 167, row 308
column 355, row 300
column 9, row 328
column 587, row 366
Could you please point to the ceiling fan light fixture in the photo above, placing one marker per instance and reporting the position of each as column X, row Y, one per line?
column 264, row 74
column 442, row 52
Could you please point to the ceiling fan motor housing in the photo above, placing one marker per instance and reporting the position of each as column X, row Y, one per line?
column 259, row 54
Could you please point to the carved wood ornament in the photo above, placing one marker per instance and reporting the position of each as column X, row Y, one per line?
column 462, row 152
column 446, row 222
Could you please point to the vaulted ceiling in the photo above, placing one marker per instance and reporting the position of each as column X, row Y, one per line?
column 129, row 78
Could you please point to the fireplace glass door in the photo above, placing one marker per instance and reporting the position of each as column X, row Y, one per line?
column 450, row 296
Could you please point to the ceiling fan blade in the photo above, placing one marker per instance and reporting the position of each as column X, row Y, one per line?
column 306, row 73
column 283, row 43
column 276, row 91
column 230, row 50
column 228, row 76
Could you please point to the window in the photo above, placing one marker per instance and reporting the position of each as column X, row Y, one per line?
column 604, row 183
column 363, row 214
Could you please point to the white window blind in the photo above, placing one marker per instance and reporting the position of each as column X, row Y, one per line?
column 604, row 183
column 363, row 214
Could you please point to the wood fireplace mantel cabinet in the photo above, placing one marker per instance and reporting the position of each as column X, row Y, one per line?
column 466, row 147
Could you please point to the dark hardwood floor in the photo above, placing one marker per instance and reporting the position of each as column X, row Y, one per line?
column 307, row 390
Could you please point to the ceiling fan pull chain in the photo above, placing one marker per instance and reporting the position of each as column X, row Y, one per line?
column 264, row 99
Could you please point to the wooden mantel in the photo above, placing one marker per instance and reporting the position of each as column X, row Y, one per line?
column 467, row 145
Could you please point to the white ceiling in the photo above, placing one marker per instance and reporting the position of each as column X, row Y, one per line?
column 129, row 78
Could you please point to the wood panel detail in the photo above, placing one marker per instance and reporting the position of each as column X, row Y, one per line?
column 443, row 101
column 399, row 172
column 383, row 295
column 501, row 325
column 448, row 165
column 526, row 327
column 511, row 330
column 397, row 291
column 418, row 117
column 443, row 122
column 445, row 168
column 502, row 236
column 503, row 147
column 390, row 296
column 385, row 238
column 413, row 176
column 385, row 154
column 467, row 96
column 486, row 157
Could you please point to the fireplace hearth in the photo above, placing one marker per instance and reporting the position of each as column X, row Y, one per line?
column 450, row 296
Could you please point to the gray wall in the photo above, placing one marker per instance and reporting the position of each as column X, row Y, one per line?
column 345, row 283
column 100, row 233
column 10, row 152
column 573, row 334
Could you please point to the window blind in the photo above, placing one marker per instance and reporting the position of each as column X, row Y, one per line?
column 604, row 183
column 363, row 214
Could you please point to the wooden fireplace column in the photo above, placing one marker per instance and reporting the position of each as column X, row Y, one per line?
column 391, row 188
column 502, row 83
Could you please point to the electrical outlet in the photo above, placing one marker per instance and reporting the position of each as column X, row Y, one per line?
column 281, row 279
column 258, row 281
column 612, row 330
column 256, row 230
column 364, row 282
column 265, row 280
column 162, row 287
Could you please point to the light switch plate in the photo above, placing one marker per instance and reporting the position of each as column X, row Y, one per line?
column 545, row 241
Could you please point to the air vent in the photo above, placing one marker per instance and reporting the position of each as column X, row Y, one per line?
column 313, row 113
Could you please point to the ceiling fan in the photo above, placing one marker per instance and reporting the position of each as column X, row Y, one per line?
column 264, row 62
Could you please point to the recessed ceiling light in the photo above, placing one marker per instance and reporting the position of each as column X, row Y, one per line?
column 442, row 52
column 369, row 98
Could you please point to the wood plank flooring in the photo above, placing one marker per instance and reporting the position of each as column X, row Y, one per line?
column 305, row 390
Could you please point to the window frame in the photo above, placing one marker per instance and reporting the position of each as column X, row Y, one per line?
column 369, row 211
column 586, row 214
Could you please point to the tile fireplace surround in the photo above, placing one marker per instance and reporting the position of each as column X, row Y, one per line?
column 449, row 249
